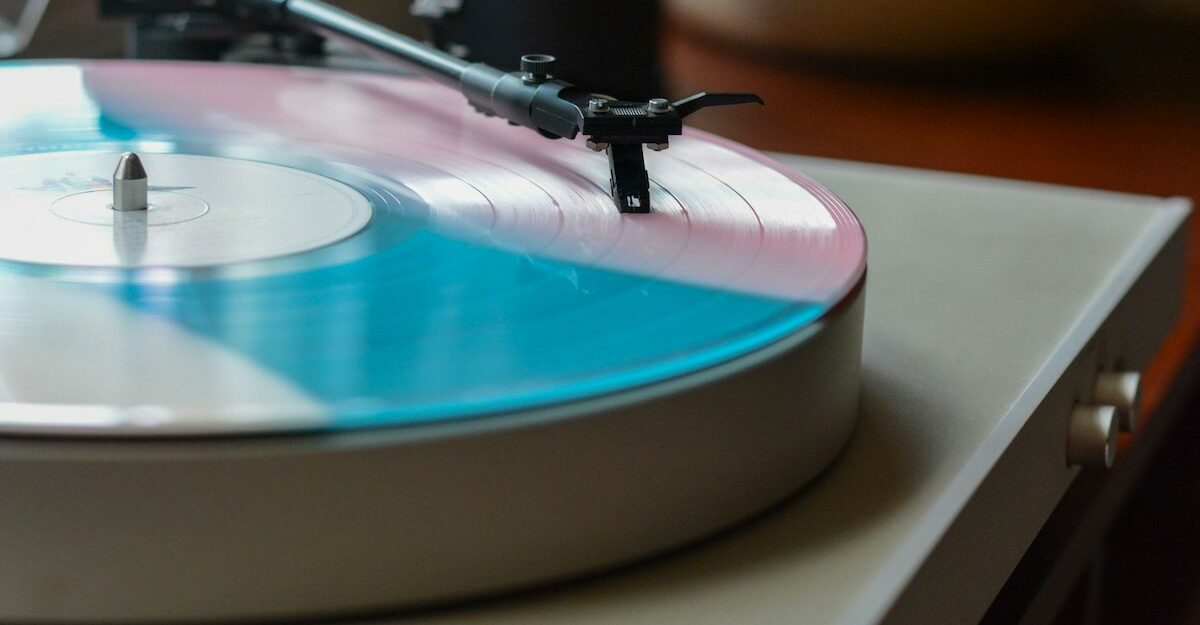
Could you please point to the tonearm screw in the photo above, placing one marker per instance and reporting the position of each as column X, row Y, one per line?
column 658, row 105
column 537, row 68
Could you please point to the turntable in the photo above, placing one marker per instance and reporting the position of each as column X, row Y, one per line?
column 284, row 343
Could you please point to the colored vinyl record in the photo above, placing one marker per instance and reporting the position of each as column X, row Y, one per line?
column 314, row 260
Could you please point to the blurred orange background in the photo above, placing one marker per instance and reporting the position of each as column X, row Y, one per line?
column 1108, row 99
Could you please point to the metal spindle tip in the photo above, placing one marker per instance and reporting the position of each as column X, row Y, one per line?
column 131, row 186
column 130, row 168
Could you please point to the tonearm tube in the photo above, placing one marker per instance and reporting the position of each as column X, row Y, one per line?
column 532, row 97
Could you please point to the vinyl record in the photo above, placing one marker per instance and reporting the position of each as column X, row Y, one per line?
column 340, row 251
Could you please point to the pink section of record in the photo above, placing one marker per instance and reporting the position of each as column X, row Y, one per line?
column 724, row 215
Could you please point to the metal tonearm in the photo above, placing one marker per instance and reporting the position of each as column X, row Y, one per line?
column 532, row 97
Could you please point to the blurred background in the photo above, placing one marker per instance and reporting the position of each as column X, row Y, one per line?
column 1093, row 93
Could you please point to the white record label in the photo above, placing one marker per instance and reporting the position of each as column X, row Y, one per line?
column 56, row 209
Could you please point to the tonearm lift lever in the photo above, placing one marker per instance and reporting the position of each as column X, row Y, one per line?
column 531, row 97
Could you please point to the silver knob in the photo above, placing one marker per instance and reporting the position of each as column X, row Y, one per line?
column 1092, row 436
column 1122, row 389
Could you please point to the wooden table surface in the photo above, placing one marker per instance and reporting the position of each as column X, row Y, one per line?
column 1125, row 118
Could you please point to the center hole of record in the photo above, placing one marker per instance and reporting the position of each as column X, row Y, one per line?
column 95, row 207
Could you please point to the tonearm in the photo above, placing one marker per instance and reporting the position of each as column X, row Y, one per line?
column 532, row 97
